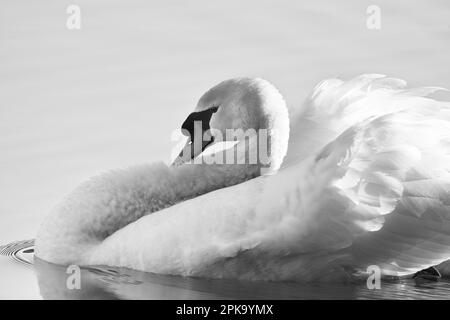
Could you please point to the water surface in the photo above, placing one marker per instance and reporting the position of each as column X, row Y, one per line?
column 121, row 283
column 112, row 283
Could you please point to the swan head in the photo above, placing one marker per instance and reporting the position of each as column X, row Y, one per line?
column 249, row 108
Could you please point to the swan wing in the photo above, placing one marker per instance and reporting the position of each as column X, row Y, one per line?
column 335, row 105
column 387, row 200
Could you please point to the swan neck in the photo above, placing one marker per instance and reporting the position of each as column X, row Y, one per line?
column 198, row 179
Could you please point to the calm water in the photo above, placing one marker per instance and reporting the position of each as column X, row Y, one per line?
column 99, row 282
column 117, row 283
column 76, row 103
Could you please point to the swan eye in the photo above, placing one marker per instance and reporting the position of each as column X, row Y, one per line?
column 203, row 116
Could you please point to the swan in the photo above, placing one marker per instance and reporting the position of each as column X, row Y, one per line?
column 358, row 176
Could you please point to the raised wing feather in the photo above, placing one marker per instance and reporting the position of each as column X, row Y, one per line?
column 394, row 197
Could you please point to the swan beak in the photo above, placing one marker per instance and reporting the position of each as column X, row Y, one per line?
column 190, row 151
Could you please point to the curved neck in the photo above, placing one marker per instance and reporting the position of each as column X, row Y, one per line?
column 257, row 153
column 193, row 180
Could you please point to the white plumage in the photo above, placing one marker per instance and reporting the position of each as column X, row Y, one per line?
column 366, row 181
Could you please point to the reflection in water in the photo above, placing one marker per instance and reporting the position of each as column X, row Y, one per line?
column 99, row 282
column 122, row 283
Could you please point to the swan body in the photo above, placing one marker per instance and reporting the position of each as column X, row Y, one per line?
column 365, row 181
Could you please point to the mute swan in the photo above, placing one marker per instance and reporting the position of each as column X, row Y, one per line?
column 365, row 181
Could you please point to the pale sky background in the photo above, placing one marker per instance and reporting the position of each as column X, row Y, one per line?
column 76, row 103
